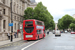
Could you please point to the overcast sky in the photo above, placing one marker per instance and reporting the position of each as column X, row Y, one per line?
column 59, row 8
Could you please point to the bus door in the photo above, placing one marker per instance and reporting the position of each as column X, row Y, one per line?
column 40, row 33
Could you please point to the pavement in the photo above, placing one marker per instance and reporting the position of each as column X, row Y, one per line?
column 8, row 41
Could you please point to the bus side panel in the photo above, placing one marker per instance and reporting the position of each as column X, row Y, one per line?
column 42, row 32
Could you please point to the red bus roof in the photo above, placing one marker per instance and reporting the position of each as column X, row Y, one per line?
column 33, row 19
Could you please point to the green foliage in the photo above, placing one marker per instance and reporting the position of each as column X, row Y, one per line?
column 40, row 13
column 60, row 24
column 65, row 21
column 29, row 13
column 72, row 26
column 73, row 21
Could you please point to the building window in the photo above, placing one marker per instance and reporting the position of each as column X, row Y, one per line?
column 4, row 1
column 18, row 26
column 20, row 7
column 20, row 19
column 15, row 26
column 3, row 11
column 15, row 17
column 4, row 24
column 17, row 8
column 14, row 6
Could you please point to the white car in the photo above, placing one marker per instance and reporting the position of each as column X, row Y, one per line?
column 65, row 31
column 57, row 33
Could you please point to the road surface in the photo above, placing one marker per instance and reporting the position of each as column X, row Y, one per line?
column 64, row 42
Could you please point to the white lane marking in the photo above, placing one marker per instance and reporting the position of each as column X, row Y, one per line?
column 65, row 47
column 15, row 48
column 72, row 36
column 29, row 45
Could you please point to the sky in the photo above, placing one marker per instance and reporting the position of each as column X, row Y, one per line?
column 58, row 8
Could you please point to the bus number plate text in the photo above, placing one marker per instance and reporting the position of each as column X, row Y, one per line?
column 27, row 36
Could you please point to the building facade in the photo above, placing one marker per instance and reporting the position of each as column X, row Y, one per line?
column 18, row 7
column 73, row 16
column 56, row 27
column 32, row 5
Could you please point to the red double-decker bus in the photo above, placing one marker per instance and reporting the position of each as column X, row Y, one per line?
column 33, row 29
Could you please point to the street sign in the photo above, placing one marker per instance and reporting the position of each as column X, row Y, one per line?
column 10, row 24
column 21, row 26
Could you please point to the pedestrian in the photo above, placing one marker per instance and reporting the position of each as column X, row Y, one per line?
column 48, row 33
column 15, row 34
column 18, row 31
column 8, row 35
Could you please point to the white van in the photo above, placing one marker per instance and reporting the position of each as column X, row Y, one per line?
column 57, row 33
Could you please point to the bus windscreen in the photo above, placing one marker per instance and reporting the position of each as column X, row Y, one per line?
column 29, row 22
column 29, row 30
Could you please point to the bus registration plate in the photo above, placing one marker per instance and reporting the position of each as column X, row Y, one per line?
column 27, row 36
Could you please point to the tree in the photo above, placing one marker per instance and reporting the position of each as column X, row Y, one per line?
column 65, row 21
column 60, row 23
column 40, row 13
column 72, row 26
column 29, row 13
column 73, row 21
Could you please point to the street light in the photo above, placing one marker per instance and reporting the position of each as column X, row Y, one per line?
column 11, row 22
